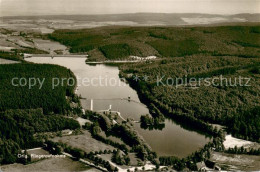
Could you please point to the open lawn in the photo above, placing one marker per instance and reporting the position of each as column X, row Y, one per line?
column 83, row 141
column 48, row 165
column 236, row 162
column 5, row 61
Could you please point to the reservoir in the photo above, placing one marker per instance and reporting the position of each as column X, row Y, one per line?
column 102, row 84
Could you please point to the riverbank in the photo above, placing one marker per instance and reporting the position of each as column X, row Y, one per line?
column 131, row 59
column 113, row 61
column 104, row 96
column 182, row 146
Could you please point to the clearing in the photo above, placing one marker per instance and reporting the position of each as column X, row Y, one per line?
column 83, row 141
column 236, row 162
column 48, row 165
column 231, row 142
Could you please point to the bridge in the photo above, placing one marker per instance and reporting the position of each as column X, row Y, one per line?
column 126, row 99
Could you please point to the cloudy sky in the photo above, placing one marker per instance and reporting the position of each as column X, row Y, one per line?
column 49, row 7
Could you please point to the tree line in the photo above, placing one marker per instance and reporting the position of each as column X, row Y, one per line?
column 79, row 154
column 19, row 126
column 234, row 107
column 122, row 131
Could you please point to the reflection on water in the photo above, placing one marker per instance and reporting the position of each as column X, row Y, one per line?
column 153, row 127
column 170, row 139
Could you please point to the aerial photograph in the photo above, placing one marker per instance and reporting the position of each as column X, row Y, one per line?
column 129, row 85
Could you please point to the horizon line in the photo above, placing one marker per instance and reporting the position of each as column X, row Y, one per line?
column 44, row 15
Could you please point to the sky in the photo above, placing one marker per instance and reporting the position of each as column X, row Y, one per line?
column 55, row 7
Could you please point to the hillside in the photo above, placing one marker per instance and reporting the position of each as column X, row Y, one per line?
column 42, row 95
column 121, row 42
column 146, row 18
column 185, row 52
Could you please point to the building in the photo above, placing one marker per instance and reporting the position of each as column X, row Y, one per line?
column 201, row 166
column 212, row 165
column 207, row 166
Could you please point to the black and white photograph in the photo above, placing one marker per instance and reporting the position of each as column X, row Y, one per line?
column 129, row 85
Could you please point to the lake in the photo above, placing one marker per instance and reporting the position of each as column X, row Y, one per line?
column 102, row 84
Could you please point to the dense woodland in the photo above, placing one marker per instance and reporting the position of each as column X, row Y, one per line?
column 108, row 43
column 19, row 126
column 186, row 52
column 189, row 52
column 22, row 97
column 235, row 107
column 246, row 124
column 26, row 111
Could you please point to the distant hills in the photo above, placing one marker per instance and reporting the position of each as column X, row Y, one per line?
column 150, row 18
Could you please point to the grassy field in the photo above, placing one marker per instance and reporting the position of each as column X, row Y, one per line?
column 50, row 165
column 6, row 61
column 83, row 141
column 236, row 162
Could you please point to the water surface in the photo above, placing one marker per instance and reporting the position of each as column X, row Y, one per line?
column 172, row 140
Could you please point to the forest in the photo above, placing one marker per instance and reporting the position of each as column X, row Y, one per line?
column 184, row 52
column 121, row 42
column 21, row 97
column 234, row 107
column 122, row 131
column 25, row 111
column 246, row 125
column 10, row 56
column 19, row 126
